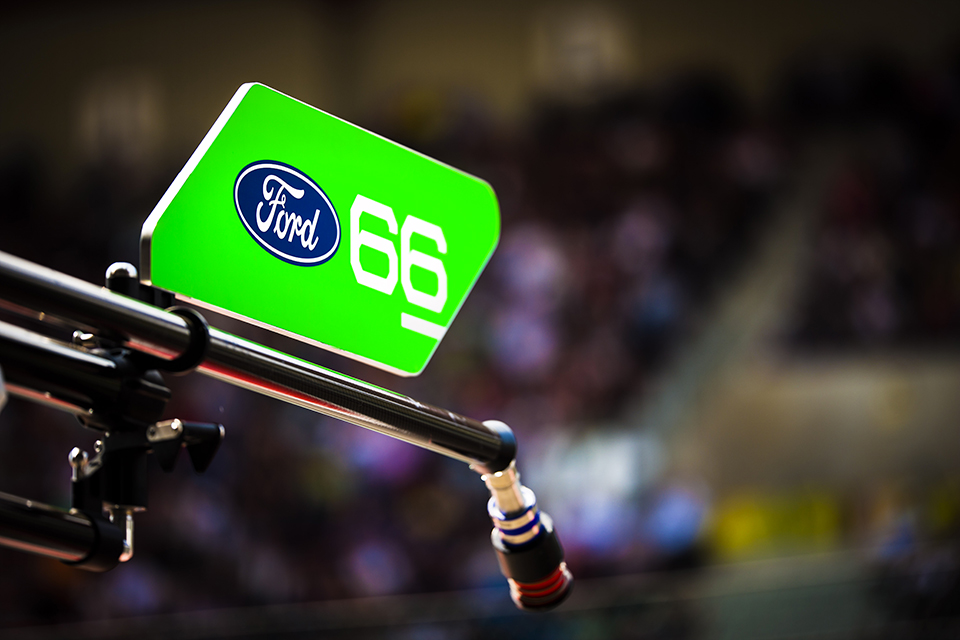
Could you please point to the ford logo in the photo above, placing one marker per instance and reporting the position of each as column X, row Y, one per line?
column 287, row 213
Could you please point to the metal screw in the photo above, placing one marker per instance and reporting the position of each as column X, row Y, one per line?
column 84, row 339
column 98, row 446
column 77, row 457
column 121, row 270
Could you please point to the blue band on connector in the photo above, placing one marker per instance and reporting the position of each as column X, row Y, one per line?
column 523, row 529
column 496, row 514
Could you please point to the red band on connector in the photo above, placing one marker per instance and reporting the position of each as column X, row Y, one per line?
column 545, row 593
column 543, row 584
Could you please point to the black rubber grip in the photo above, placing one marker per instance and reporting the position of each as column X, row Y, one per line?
column 105, row 554
column 535, row 560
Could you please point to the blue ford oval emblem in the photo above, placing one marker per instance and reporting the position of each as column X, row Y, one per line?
column 287, row 213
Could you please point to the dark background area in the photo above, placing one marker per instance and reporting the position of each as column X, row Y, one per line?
column 722, row 319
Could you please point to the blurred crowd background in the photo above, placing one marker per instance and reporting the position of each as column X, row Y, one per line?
column 723, row 317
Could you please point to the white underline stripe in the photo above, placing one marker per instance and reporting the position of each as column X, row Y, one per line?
column 422, row 326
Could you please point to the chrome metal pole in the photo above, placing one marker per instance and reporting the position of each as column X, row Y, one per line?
column 26, row 286
column 48, row 531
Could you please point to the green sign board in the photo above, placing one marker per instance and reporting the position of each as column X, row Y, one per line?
column 292, row 219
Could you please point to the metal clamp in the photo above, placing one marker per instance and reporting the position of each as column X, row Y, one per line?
column 122, row 278
column 199, row 438
column 193, row 356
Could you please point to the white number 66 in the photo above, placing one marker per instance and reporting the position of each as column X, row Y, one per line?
column 408, row 257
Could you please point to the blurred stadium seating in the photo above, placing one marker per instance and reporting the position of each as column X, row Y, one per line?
column 627, row 221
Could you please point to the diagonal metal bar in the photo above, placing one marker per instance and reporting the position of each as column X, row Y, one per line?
column 27, row 286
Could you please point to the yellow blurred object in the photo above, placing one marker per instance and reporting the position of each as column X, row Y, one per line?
column 943, row 509
column 749, row 525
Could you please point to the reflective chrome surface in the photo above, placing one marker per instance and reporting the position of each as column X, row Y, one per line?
column 24, row 285
column 38, row 528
